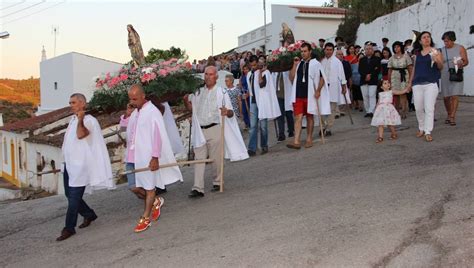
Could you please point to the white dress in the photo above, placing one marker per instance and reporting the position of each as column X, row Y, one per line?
column 385, row 114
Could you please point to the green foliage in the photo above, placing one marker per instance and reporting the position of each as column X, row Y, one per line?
column 348, row 29
column 155, row 54
column 368, row 10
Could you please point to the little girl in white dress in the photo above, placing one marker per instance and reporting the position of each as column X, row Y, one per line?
column 385, row 113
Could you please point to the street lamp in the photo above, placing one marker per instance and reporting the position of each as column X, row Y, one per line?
column 4, row 35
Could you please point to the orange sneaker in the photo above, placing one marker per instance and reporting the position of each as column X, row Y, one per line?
column 142, row 225
column 156, row 210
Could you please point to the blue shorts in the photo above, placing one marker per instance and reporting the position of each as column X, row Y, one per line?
column 131, row 176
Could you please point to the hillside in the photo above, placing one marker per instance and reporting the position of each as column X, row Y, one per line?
column 20, row 91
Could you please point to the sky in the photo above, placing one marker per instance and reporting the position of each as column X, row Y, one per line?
column 98, row 28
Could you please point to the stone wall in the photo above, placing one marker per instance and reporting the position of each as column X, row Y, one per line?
column 435, row 16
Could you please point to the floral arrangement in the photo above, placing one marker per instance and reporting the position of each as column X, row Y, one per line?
column 281, row 59
column 162, row 81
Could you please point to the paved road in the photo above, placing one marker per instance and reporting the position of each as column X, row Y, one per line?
column 348, row 203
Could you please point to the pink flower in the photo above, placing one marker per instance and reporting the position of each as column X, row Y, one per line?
column 154, row 66
column 123, row 77
column 163, row 72
column 146, row 78
column 189, row 65
column 107, row 76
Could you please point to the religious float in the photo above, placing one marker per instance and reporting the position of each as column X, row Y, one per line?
column 162, row 80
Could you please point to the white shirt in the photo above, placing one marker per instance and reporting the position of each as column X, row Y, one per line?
column 206, row 107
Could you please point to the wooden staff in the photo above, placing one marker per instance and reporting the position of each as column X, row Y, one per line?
column 320, row 121
column 348, row 109
column 221, row 188
column 180, row 163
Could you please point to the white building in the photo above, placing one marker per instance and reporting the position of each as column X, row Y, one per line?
column 307, row 23
column 70, row 73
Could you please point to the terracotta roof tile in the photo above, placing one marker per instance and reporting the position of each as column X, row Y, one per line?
column 37, row 121
column 321, row 10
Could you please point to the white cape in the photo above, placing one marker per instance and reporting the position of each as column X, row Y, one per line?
column 288, row 89
column 336, row 79
column 267, row 101
column 172, row 130
column 87, row 160
column 314, row 71
column 234, row 148
column 149, row 117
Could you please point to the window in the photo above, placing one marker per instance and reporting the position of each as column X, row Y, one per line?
column 20, row 157
column 5, row 151
column 55, row 85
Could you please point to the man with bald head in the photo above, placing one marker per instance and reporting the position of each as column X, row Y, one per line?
column 208, row 105
column 86, row 164
column 148, row 145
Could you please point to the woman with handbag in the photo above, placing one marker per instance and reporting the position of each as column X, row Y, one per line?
column 428, row 61
column 452, row 85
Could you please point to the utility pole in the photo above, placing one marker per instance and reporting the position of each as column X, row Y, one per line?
column 55, row 32
column 264, row 28
column 212, row 28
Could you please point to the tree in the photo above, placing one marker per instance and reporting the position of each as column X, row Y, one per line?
column 155, row 54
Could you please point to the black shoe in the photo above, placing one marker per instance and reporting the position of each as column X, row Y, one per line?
column 337, row 116
column 264, row 150
column 281, row 138
column 327, row 133
column 159, row 191
column 343, row 114
column 251, row 153
column 361, row 110
column 65, row 234
column 87, row 222
column 367, row 115
column 195, row 194
column 216, row 188
column 291, row 135
column 320, row 134
column 371, row 115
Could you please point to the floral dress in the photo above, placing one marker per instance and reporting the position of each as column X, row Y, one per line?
column 234, row 94
column 385, row 114
column 400, row 74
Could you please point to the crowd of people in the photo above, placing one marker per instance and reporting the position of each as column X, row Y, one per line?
column 381, row 81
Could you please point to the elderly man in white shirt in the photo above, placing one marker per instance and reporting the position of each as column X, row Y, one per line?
column 208, row 105
column 87, row 164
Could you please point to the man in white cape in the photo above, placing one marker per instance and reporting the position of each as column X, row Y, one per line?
column 209, row 105
column 86, row 164
column 334, row 71
column 148, row 146
column 284, row 90
column 310, row 94
column 263, row 104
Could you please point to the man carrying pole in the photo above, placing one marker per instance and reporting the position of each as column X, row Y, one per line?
column 87, row 164
column 148, row 145
column 210, row 106
column 310, row 95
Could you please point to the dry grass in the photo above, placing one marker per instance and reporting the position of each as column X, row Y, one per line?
column 20, row 91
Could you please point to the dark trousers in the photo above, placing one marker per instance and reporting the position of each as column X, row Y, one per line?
column 281, row 120
column 76, row 205
column 245, row 113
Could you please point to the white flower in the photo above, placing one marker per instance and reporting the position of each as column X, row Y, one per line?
column 147, row 70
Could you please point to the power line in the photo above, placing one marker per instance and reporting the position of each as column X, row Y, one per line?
column 34, row 12
column 13, row 5
column 28, row 7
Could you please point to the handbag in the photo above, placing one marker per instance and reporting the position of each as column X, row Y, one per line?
column 453, row 75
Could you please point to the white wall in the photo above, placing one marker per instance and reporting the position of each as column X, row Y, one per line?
column 435, row 16
column 20, row 174
column 281, row 14
column 57, row 69
column 74, row 73
column 311, row 29
column 49, row 182
column 85, row 68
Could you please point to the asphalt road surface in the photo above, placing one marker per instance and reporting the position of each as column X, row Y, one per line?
column 347, row 203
